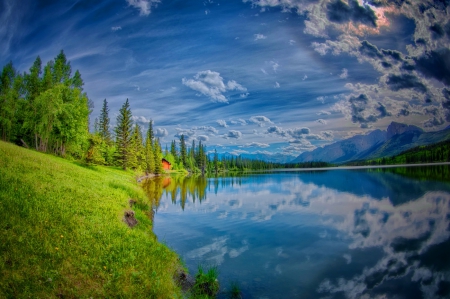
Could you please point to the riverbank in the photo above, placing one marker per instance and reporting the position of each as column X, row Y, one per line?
column 63, row 232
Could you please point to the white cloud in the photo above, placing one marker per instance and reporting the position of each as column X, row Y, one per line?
column 292, row 42
column 203, row 138
column 209, row 129
column 321, row 121
column 277, row 85
column 140, row 119
column 222, row 123
column 144, row 6
column 211, row 84
column 233, row 134
column 239, row 121
column 259, row 36
column 256, row 144
column 344, row 74
column 264, row 71
column 260, row 120
column 161, row 132
column 304, row 78
column 275, row 66
column 115, row 28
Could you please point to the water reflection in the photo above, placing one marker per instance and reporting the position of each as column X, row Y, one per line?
column 322, row 234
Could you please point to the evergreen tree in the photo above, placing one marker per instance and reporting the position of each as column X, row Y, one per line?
column 150, row 134
column 103, row 123
column 137, row 155
column 123, row 134
column 149, row 155
column 216, row 161
column 158, row 157
column 183, row 153
column 33, row 84
column 173, row 151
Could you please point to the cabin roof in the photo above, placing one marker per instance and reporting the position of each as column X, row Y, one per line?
column 164, row 160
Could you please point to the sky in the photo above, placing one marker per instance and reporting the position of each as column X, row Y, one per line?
column 247, row 76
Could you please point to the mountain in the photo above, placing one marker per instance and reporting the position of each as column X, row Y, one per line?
column 275, row 158
column 397, row 138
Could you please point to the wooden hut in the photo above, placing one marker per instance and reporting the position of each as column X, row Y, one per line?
column 166, row 164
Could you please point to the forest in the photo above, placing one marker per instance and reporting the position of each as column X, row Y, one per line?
column 47, row 110
column 438, row 152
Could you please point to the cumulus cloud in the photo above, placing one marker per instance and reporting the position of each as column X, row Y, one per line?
column 341, row 12
column 256, row 144
column 202, row 138
column 144, row 6
column 211, row 84
column 344, row 74
column 260, row 120
column 161, row 132
column 233, row 134
column 140, row 119
column 239, row 121
column 209, row 129
column 321, row 121
column 405, row 81
column 222, row 123
column 259, row 36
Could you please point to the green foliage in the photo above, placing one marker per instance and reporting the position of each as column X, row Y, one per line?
column 438, row 152
column 123, row 135
column 158, row 157
column 62, row 233
column 206, row 283
column 103, row 123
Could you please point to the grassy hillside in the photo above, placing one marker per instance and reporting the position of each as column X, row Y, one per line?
column 62, row 234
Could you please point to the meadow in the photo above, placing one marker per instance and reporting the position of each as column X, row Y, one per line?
column 63, row 233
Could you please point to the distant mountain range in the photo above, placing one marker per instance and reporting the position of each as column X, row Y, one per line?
column 275, row 158
column 397, row 138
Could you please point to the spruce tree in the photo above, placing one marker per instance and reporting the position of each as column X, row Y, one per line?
column 137, row 158
column 123, row 134
column 158, row 157
column 103, row 123
column 149, row 154
column 183, row 153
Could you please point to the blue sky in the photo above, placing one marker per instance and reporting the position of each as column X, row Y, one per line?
column 250, row 76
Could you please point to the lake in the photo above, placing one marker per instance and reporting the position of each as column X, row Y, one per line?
column 365, row 233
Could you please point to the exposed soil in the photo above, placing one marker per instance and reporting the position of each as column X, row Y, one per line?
column 129, row 219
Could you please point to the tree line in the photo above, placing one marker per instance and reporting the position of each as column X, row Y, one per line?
column 47, row 109
column 438, row 152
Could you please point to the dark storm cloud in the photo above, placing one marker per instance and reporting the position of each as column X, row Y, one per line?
column 386, row 64
column 405, row 81
column 392, row 53
column 358, row 105
column 436, row 64
column 437, row 31
column 340, row 12
column 408, row 67
column 383, row 111
column 370, row 50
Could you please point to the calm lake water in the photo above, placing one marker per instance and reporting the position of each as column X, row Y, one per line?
column 373, row 233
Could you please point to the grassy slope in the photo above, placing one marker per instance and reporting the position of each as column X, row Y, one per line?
column 62, row 233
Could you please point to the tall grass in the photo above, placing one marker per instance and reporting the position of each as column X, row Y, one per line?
column 62, row 233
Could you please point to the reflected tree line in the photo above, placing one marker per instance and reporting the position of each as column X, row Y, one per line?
column 184, row 188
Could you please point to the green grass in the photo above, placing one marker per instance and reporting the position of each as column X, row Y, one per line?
column 206, row 284
column 62, row 233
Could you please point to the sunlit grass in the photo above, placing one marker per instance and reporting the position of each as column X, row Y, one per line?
column 62, row 233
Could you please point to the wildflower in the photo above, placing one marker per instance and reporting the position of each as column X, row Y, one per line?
column 62, row 236
column 56, row 248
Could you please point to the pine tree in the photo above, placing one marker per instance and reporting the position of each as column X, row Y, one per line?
column 216, row 161
column 149, row 156
column 173, row 151
column 103, row 123
column 183, row 153
column 158, row 157
column 137, row 156
column 123, row 134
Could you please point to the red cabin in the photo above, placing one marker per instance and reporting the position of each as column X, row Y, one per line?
column 166, row 164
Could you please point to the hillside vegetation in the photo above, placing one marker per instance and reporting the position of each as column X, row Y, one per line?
column 439, row 152
column 62, row 233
